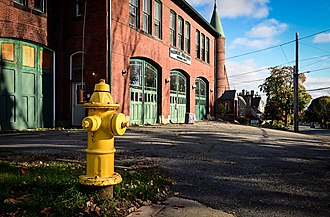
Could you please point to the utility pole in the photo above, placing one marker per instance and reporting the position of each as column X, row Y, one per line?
column 295, row 88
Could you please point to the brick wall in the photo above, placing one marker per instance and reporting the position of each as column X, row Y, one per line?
column 128, row 42
column 17, row 21
column 62, row 32
column 65, row 37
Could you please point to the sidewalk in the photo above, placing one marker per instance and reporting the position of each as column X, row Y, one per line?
column 178, row 207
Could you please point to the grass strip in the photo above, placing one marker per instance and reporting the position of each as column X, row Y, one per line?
column 53, row 189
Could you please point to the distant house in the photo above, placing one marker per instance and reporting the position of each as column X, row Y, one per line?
column 250, row 105
column 228, row 105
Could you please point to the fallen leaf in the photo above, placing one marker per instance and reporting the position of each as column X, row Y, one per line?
column 38, row 178
column 23, row 197
column 89, row 203
column 179, row 206
column 10, row 201
column 146, row 203
column 24, row 172
column 46, row 210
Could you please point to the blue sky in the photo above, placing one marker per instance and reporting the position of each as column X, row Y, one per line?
column 253, row 25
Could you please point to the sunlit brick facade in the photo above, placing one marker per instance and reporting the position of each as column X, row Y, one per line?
column 164, row 61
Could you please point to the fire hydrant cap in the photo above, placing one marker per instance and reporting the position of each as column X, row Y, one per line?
column 102, row 86
column 101, row 98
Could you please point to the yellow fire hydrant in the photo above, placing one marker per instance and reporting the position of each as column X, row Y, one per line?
column 102, row 124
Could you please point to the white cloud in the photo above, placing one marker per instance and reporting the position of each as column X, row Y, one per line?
column 248, row 75
column 254, row 43
column 237, row 8
column 199, row 2
column 322, row 38
column 247, row 8
column 315, row 83
column 268, row 28
column 245, row 75
column 261, row 36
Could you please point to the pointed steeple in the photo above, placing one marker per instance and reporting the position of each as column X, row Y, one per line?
column 215, row 20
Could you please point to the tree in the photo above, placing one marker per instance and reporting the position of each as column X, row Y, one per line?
column 279, row 90
column 272, row 111
column 319, row 111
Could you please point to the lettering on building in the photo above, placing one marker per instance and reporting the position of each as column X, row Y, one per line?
column 180, row 55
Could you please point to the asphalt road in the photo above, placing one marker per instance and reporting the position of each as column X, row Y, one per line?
column 242, row 170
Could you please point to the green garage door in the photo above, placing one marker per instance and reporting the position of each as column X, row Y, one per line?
column 201, row 99
column 26, row 86
column 143, row 92
column 178, row 97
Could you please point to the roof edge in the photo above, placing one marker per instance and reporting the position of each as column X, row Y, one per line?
column 202, row 21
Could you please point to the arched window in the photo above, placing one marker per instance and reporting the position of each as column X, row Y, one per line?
column 143, row 92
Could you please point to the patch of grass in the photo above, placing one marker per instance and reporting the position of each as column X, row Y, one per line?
column 53, row 189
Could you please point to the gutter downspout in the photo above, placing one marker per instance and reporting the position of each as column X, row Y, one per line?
column 109, row 45
column 215, row 78
column 54, row 83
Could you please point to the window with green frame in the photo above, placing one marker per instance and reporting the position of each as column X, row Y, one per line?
column 203, row 47
column 173, row 28
column 180, row 33
column 78, row 8
column 187, row 38
column 198, row 52
column 146, row 18
column 134, row 14
column 8, row 51
column 40, row 5
column 207, row 50
column 158, row 19
column 22, row 2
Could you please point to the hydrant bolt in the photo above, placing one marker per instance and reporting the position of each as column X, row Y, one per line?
column 124, row 125
column 85, row 124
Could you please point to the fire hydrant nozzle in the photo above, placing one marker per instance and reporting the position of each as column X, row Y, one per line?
column 102, row 124
column 91, row 123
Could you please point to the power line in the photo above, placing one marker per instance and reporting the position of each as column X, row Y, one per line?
column 315, row 62
column 244, row 82
column 316, row 70
column 245, row 73
column 248, row 81
column 263, row 69
column 268, row 48
column 322, row 88
column 308, row 36
column 257, row 51
column 284, row 54
column 311, row 58
column 308, row 45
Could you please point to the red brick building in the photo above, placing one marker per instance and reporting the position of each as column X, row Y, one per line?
column 161, row 58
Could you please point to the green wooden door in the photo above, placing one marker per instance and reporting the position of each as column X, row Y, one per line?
column 143, row 92
column 9, row 91
column 26, row 92
column 201, row 99
column 178, row 97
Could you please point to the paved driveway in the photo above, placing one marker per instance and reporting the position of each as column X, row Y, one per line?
column 243, row 170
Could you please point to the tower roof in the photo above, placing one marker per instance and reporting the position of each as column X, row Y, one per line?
column 215, row 20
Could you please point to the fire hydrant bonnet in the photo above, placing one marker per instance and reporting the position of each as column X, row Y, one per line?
column 101, row 98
